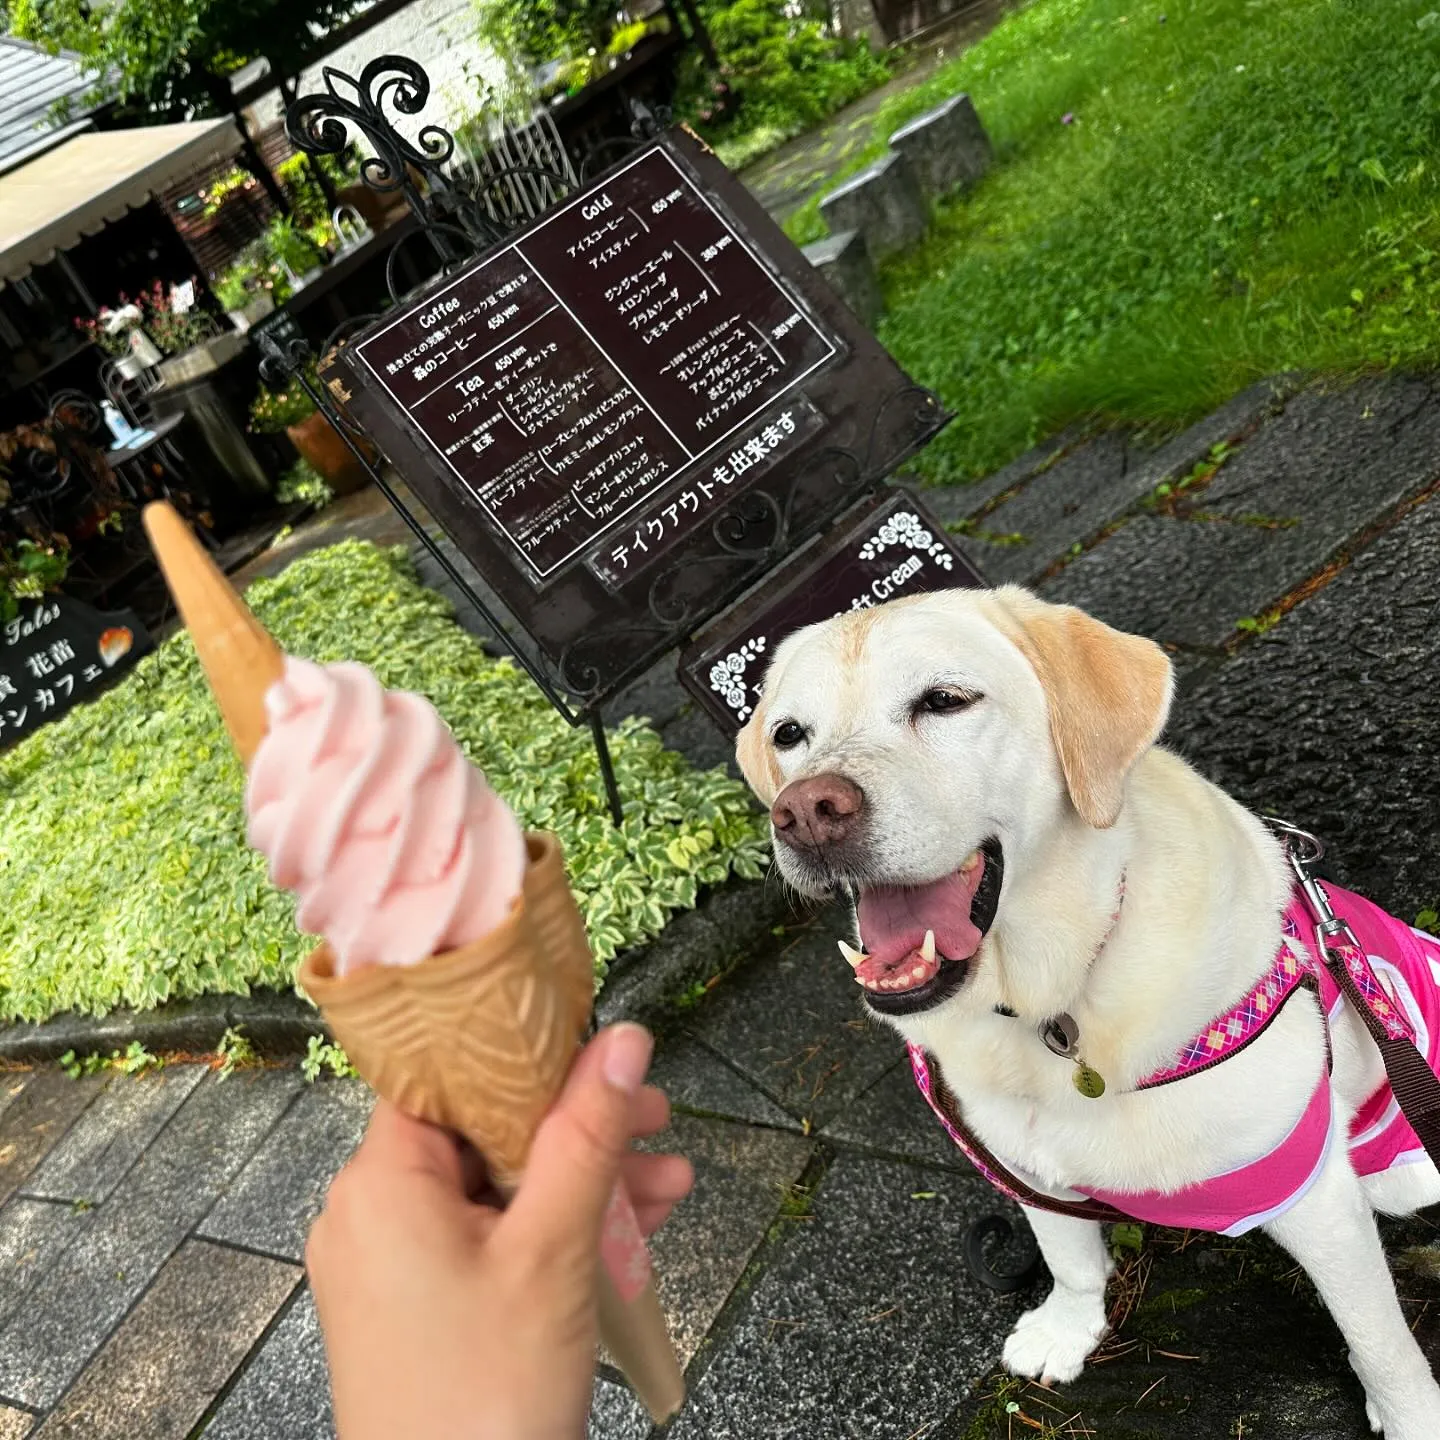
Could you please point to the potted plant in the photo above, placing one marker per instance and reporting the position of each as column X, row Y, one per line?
column 28, row 570
column 313, row 436
column 115, row 331
column 251, row 286
column 294, row 250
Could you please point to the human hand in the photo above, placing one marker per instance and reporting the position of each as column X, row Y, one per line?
column 447, row 1317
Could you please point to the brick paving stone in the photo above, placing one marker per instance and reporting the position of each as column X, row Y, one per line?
column 284, row 1392
column 741, row 1174
column 269, row 1205
column 795, row 1027
column 615, row 1414
column 12, row 1082
column 866, row 1324
column 90, row 1287
column 1331, row 720
column 892, row 1118
column 15, row 1424
column 180, row 1344
column 33, row 1235
column 696, row 1079
column 37, row 1119
column 1305, row 485
column 111, row 1135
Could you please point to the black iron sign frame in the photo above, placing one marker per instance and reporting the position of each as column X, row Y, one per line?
column 690, row 525
column 537, row 407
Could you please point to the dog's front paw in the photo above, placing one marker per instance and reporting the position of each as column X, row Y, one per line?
column 1052, row 1342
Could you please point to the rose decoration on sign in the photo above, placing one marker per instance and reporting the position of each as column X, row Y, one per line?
column 115, row 645
column 906, row 528
column 727, row 676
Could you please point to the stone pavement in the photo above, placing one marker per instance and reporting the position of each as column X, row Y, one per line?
column 151, row 1229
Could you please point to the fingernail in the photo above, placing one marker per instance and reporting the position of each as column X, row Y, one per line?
column 627, row 1057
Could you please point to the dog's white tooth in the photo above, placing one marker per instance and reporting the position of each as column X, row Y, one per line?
column 869, row 984
column 919, row 972
column 927, row 950
column 856, row 958
column 971, row 862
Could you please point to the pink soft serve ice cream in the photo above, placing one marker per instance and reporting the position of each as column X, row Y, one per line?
column 367, row 809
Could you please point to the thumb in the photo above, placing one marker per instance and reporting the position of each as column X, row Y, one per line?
column 575, row 1157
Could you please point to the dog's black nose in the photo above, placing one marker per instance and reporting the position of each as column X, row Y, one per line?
column 821, row 811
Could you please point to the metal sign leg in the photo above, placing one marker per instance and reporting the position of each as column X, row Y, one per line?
column 607, row 768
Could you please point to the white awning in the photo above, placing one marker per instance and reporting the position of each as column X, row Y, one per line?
column 76, row 188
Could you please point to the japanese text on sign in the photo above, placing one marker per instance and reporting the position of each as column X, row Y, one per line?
column 612, row 355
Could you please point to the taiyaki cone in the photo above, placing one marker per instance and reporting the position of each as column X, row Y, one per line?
column 240, row 659
column 477, row 1039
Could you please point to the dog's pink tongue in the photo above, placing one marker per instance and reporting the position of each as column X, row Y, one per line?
column 894, row 919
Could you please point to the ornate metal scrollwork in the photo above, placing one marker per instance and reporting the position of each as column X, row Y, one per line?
column 453, row 212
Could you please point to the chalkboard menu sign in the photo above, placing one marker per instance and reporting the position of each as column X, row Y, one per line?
column 890, row 547
column 58, row 652
column 631, row 408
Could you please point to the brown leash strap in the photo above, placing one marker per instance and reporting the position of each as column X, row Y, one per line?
column 1412, row 1081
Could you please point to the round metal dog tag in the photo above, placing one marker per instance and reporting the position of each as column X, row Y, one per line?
column 1090, row 1083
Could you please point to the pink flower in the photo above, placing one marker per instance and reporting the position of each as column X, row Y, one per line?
column 1068, row 118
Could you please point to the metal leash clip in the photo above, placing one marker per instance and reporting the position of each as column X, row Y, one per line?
column 1304, row 850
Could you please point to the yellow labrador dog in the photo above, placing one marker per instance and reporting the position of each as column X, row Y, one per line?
column 979, row 769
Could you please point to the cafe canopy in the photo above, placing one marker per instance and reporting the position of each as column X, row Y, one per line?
column 75, row 189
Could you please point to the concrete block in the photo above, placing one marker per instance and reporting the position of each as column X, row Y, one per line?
column 947, row 147
column 884, row 202
column 844, row 261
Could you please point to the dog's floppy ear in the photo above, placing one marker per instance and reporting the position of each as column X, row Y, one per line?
column 1108, row 695
column 756, row 759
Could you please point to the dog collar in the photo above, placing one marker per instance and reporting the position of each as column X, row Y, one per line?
column 1060, row 1034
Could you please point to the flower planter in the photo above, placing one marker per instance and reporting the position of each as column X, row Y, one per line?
column 253, row 312
column 128, row 366
column 321, row 444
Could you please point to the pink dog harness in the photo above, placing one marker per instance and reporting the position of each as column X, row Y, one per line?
column 1393, row 972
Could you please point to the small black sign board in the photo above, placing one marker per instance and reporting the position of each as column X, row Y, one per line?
column 58, row 652
column 887, row 547
column 627, row 413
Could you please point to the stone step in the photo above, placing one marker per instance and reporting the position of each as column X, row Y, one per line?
column 884, row 202
column 947, row 146
column 844, row 262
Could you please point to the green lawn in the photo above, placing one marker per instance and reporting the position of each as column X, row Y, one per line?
column 1245, row 187
column 124, row 873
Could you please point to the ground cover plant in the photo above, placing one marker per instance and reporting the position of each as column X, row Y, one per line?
column 124, row 873
column 1189, row 195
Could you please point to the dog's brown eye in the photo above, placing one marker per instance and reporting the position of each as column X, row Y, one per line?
column 788, row 735
column 942, row 702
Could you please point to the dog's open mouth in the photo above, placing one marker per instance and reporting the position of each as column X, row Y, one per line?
column 919, row 941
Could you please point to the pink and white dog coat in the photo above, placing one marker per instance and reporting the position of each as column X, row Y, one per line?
column 1397, row 970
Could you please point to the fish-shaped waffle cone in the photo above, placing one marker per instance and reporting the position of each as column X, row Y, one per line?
column 240, row 658
column 478, row 1039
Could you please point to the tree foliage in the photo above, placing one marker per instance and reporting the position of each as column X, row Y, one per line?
column 173, row 57
column 533, row 31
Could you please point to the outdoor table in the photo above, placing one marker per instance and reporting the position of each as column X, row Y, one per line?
column 149, row 449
